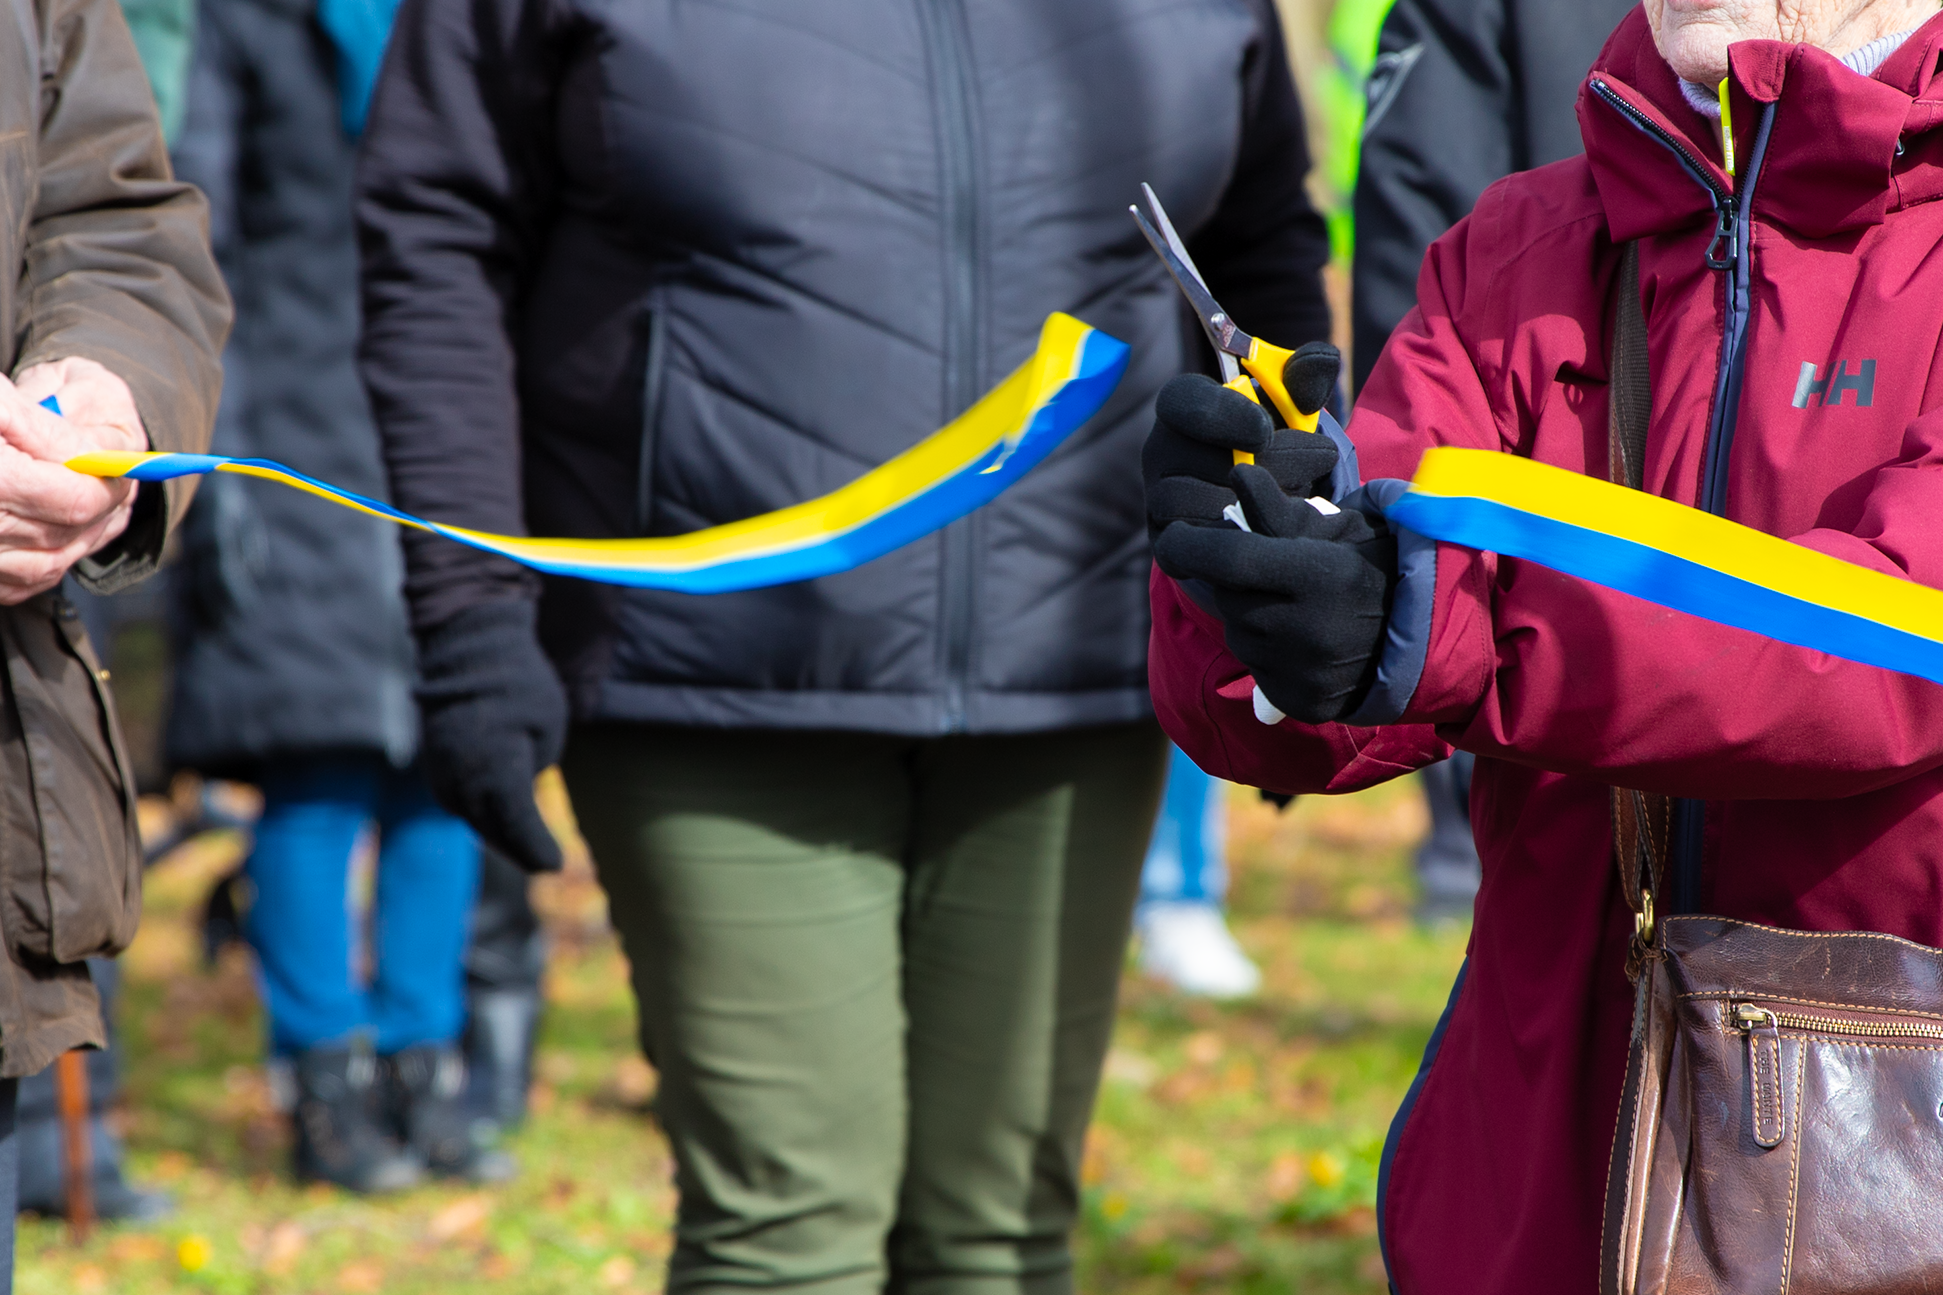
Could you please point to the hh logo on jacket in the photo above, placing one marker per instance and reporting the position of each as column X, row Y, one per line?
column 1836, row 385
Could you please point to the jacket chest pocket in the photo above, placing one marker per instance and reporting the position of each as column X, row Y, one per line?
column 70, row 851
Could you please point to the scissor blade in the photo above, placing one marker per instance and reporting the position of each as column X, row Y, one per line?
column 1227, row 339
column 1204, row 305
column 1230, row 369
column 1165, row 225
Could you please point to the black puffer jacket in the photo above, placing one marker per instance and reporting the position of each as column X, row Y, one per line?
column 646, row 268
column 292, row 634
column 1464, row 93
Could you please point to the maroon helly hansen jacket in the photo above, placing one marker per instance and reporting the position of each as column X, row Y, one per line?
column 1794, row 315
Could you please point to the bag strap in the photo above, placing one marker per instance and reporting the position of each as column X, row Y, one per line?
column 1642, row 824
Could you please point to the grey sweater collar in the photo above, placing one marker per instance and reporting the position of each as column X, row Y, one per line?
column 1864, row 59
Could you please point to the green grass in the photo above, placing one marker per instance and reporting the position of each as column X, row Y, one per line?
column 1235, row 1147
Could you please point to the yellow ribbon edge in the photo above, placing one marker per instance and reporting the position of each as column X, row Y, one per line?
column 1790, row 569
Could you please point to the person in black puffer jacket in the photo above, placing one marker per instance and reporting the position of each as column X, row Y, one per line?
column 871, row 840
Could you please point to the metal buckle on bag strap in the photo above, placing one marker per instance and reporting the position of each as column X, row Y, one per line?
column 1642, row 827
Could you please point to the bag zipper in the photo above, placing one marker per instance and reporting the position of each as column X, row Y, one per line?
column 1727, row 252
column 1753, row 1016
column 1761, row 1026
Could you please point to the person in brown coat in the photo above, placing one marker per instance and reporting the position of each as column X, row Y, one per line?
column 111, row 304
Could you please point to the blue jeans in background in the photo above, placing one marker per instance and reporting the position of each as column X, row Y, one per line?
column 301, row 921
column 1187, row 862
column 9, row 1180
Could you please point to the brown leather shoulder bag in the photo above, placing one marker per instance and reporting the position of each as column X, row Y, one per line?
column 1781, row 1127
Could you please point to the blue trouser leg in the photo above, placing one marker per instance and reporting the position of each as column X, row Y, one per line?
column 1187, row 860
column 314, row 811
column 9, row 1179
column 301, row 922
column 428, row 876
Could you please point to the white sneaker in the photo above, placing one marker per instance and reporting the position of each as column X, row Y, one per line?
column 1188, row 946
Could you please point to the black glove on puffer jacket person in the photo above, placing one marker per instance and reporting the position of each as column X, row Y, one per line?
column 493, row 715
column 1198, row 425
column 1303, row 598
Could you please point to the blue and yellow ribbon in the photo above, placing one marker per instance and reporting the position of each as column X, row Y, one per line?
column 950, row 473
column 1675, row 556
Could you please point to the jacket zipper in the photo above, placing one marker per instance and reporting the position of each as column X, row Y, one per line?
column 1727, row 252
column 943, row 22
column 651, row 381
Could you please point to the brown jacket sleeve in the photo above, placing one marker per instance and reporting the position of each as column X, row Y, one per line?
column 117, row 266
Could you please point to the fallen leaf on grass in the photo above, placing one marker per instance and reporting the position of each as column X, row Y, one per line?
column 634, row 1081
column 361, row 1277
column 1286, row 1176
column 617, row 1271
column 88, row 1277
column 1130, row 1068
column 137, row 1247
column 1182, row 1088
column 1218, row 1267
column 169, row 1166
column 462, row 1216
column 1204, row 1047
column 497, row 1266
column 1103, row 1149
column 285, row 1244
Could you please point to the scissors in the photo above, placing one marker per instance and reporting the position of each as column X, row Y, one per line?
column 1266, row 364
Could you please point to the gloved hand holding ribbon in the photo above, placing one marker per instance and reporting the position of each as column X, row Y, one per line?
column 1298, row 599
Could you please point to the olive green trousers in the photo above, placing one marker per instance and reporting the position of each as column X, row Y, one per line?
column 877, row 976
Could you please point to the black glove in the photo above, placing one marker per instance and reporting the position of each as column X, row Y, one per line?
column 492, row 714
column 1198, row 424
column 1304, row 598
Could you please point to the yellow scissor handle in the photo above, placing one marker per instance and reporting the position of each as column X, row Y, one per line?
column 1264, row 365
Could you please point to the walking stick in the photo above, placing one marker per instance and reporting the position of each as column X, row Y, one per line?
column 71, row 1093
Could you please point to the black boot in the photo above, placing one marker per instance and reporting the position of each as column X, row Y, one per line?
column 426, row 1095
column 340, row 1135
column 505, row 963
column 501, row 1025
column 43, row 1173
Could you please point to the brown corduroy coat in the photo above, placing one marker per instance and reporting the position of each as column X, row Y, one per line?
column 104, row 256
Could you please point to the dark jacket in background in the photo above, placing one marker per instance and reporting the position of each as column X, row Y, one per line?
column 291, row 636
column 647, row 268
column 1464, row 93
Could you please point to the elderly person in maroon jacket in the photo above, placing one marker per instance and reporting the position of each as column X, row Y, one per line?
column 1793, row 310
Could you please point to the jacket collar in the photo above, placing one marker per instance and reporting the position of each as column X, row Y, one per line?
column 1830, row 162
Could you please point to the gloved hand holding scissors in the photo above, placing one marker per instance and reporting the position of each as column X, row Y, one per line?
column 1202, row 429
column 1302, row 587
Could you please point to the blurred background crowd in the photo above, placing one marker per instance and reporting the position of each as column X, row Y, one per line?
column 359, row 1049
